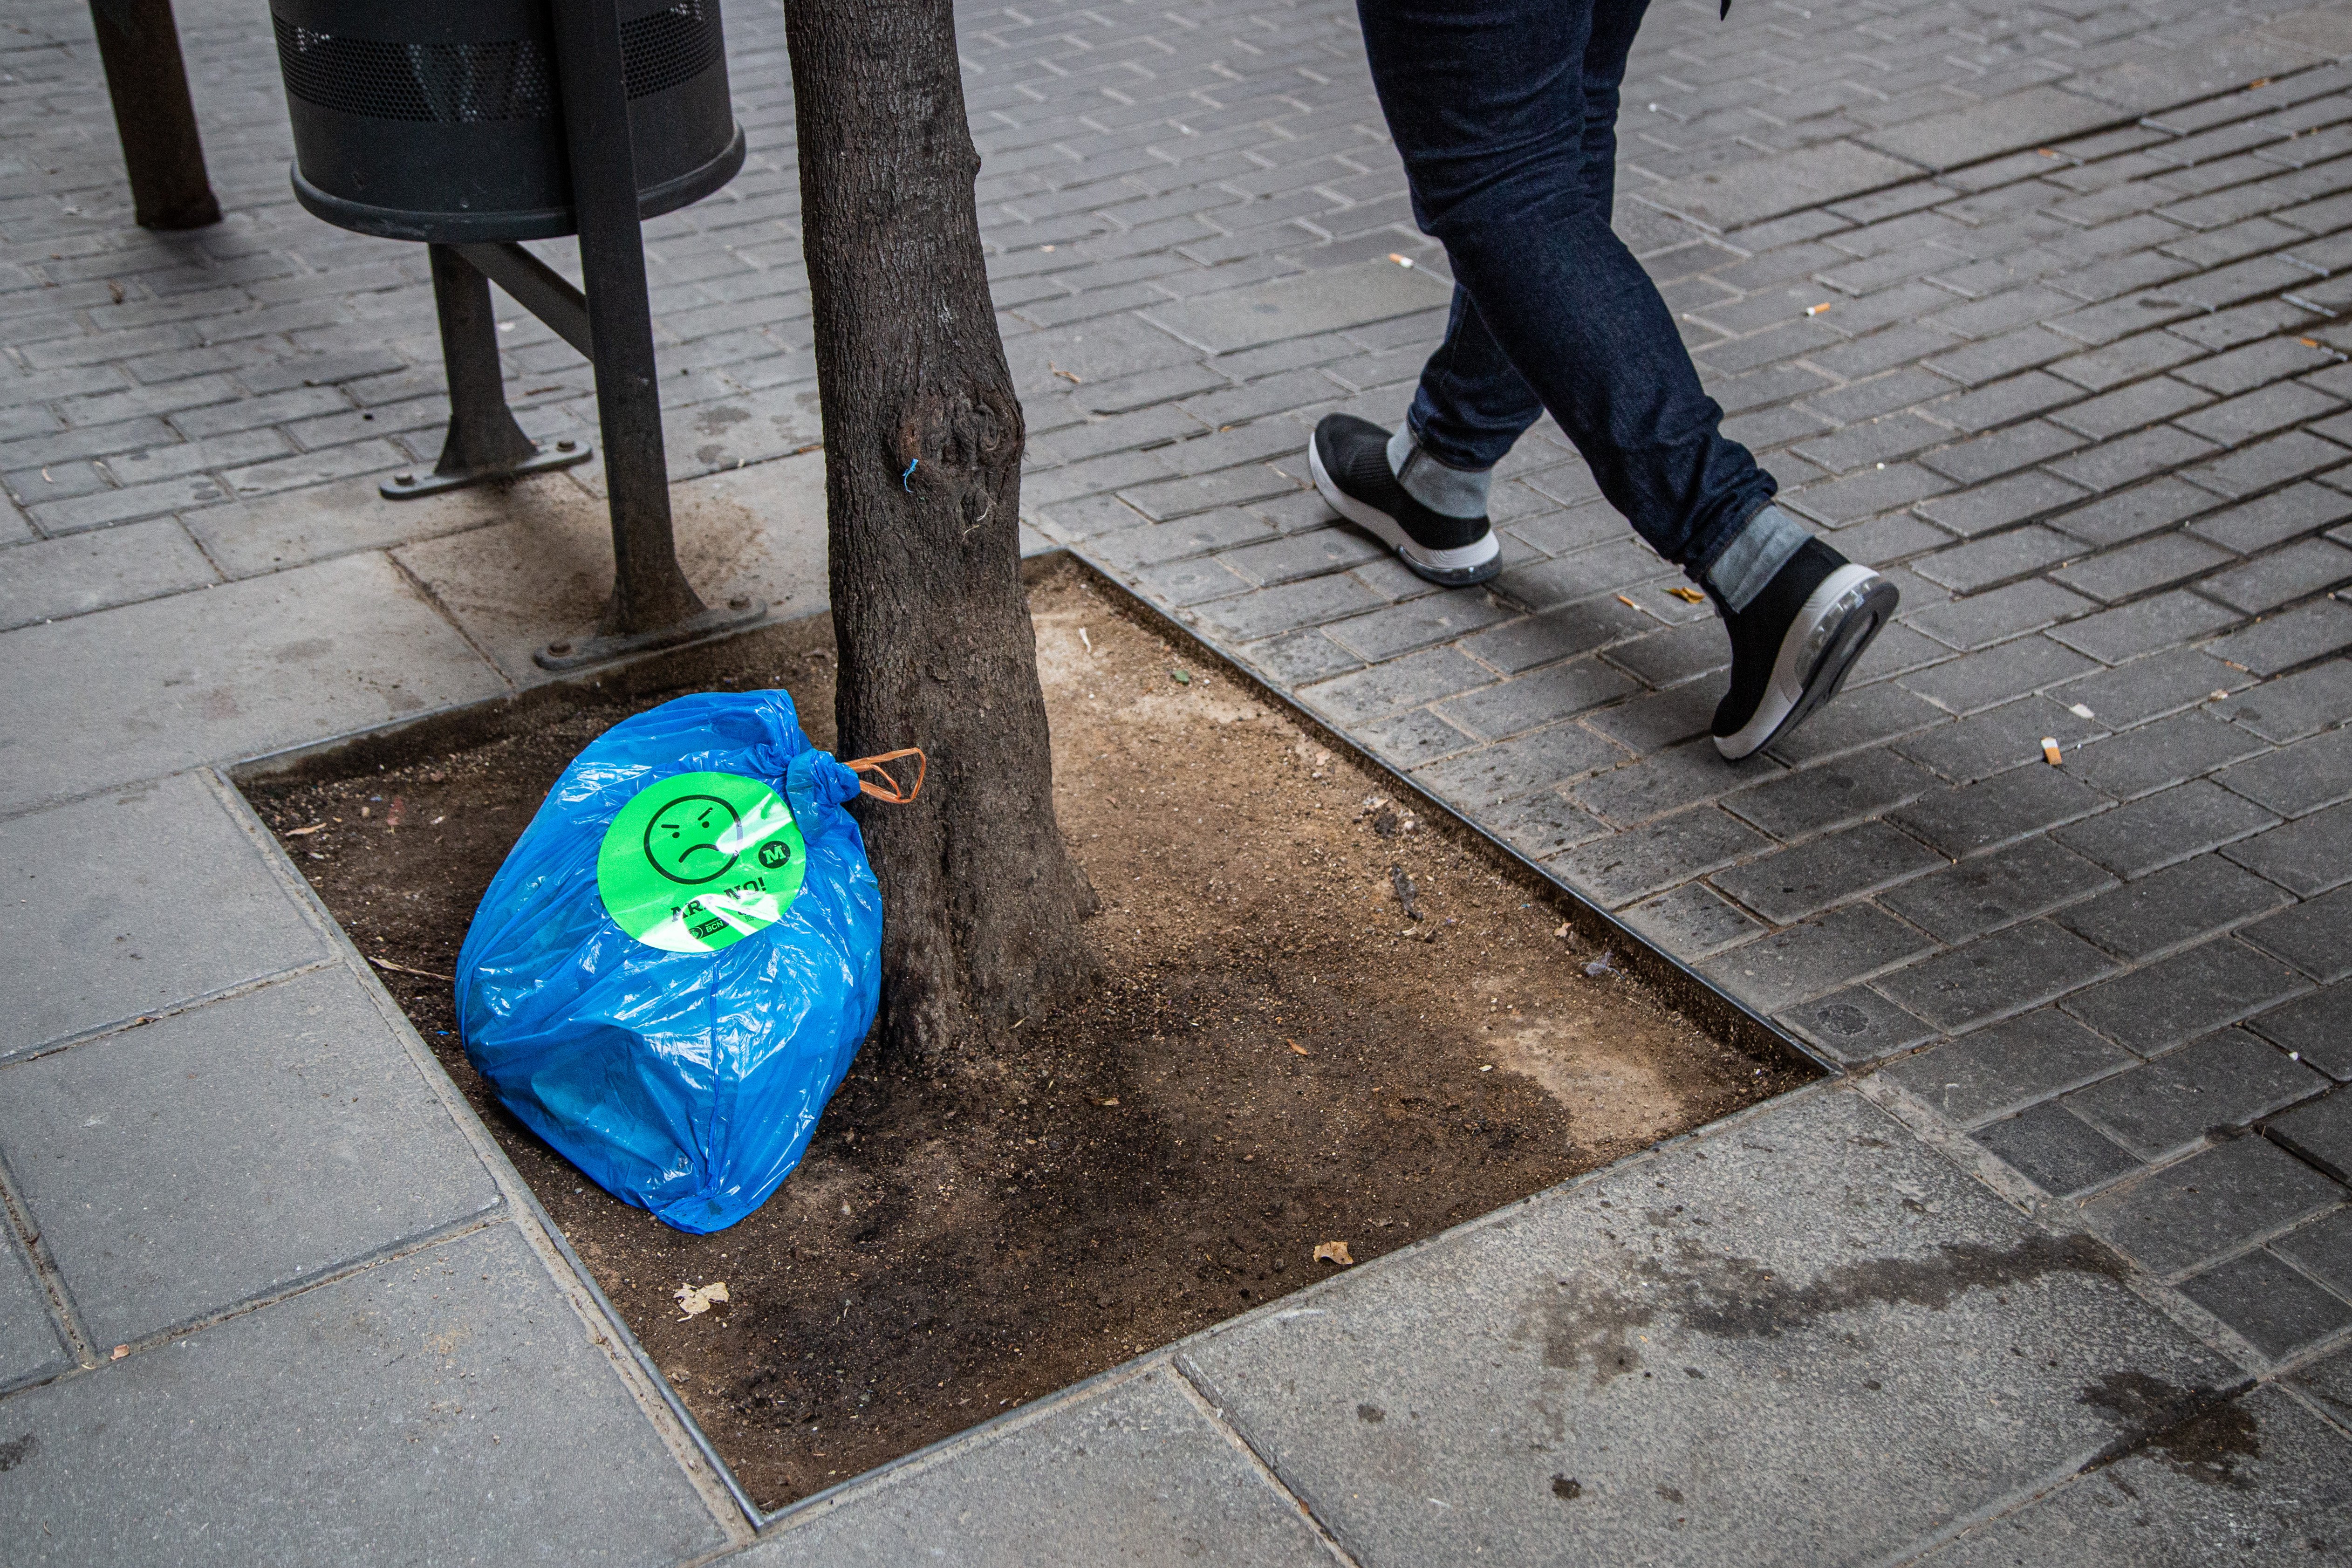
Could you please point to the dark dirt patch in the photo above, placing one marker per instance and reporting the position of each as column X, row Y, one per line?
column 1279, row 1055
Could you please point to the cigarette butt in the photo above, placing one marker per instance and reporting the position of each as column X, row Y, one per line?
column 2046, row 152
column 1817, row 309
column 2220, row 695
column 1401, row 260
column 1627, row 603
column 2308, row 342
column 2050, row 753
column 1687, row 596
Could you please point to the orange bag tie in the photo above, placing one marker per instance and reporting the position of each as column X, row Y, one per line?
column 889, row 788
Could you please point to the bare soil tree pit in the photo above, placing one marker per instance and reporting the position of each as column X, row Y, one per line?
column 1321, row 1021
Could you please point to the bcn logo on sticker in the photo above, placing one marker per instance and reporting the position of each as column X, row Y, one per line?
column 699, row 861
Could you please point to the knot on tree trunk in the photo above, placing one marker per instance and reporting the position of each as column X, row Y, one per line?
column 960, row 434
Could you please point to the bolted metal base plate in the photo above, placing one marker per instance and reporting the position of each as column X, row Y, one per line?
column 740, row 611
column 549, row 458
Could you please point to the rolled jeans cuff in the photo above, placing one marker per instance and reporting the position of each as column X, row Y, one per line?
column 1755, row 556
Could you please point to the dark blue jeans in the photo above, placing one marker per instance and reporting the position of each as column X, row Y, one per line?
column 1506, row 115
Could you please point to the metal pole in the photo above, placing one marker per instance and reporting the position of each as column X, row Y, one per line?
column 649, row 591
column 484, row 442
column 139, row 45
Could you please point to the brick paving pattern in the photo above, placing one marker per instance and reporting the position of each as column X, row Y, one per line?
column 2040, row 309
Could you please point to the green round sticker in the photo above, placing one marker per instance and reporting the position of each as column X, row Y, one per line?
column 700, row 860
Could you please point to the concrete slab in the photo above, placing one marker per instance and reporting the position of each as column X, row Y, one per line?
column 2035, row 117
column 30, row 1346
column 2260, row 1480
column 151, row 689
column 447, row 1407
column 1766, row 187
column 251, row 538
column 1135, row 1474
column 1330, row 302
column 231, row 1152
column 1802, row 1339
column 80, row 572
column 545, row 571
column 133, row 902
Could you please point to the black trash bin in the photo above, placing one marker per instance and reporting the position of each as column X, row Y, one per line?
column 441, row 120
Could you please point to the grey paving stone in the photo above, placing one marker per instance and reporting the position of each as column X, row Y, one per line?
column 30, row 1346
column 1986, row 618
column 1996, row 558
column 1575, row 629
column 2215, row 1085
column 1996, row 740
column 2320, row 1132
column 1972, row 819
column 2180, row 904
column 2131, row 407
column 1401, row 628
column 1855, row 1026
column 1989, row 891
column 2170, row 824
column 2135, row 513
column 232, row 1152
column 2056, row 1150
column 1764, row 188
column 1997, row 976
column 2294, row 706
column 370, row 1394
column 1572, row 1297
column 2277, row 1310
column 2299, row 636
column 1691, row 922
column 1649, row 858
column 55, row 578
column 108, row 929
column 2162, row 562
column 2316, row 936
column 1867, row 717
column 1540, row 826
column 1790, row 884
column 2188, row 994
column 2246, row 1483
column 2298, row 778
column 1667, row 780
column 2118, row 635
column 1133, row 1474
column 1492, row 774
column 2157, row 756
column 1542, row 697
column 1300, row 307
column 2274, row 519
column 2210, row 1204
column 2324, row 1250
column 1980, row 509
column 2303, row 568
column 1416, row 678
column 2317, row 1028
column 1998, row 1071
column 113, row 697
column 1298, row 655
column 1662, row 719
column 2309, row 855
column 1980, row 680
column 1266, row 611
column 1833, row 795
column 2269, row 463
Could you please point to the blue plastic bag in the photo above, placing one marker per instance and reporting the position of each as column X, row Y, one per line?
column 669, row 975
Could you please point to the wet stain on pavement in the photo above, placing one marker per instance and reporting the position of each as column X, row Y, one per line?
column 2205, row 1447
column 1587, row 1322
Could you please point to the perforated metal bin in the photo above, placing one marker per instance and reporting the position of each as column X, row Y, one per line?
column 442, row 120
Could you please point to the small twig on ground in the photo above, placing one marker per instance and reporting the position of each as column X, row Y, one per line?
column 403, row 969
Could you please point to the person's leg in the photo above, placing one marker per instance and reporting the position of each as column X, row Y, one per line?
column 1504, row 111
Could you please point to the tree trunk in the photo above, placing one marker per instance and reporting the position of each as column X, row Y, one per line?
column 923, row 438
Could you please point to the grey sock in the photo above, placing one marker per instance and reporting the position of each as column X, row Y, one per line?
column 1755, row 556
column 1448, row 492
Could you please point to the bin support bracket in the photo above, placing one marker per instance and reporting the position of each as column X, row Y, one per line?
column 484, row 442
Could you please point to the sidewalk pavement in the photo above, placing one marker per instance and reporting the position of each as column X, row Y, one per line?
column 2061, row 1271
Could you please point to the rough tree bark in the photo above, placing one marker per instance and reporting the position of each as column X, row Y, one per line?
column 923, row 438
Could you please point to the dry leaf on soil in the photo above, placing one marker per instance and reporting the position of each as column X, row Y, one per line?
column 696, row 1300
column 1333, row 1252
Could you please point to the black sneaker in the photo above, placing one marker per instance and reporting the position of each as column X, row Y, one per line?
column 1350, row 460
column 1792, row 645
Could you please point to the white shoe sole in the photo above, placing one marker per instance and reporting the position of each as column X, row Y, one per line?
column 1838, row 621
column 1454, row 568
